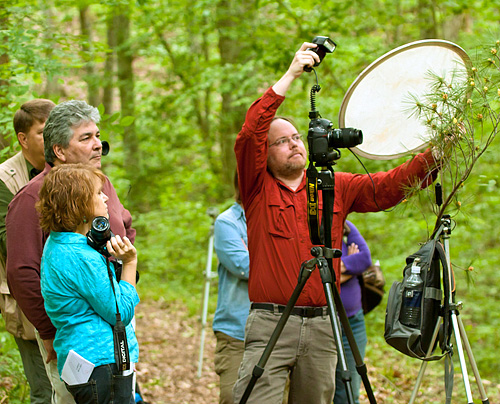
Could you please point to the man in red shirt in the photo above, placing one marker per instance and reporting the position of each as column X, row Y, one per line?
column 271, row 160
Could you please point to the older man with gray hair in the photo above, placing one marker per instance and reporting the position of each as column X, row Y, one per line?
column 15, row 173
column 70, row 135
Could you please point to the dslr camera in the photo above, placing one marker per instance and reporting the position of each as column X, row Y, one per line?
column 97, row 237
column 99, row 233
column 323, row 140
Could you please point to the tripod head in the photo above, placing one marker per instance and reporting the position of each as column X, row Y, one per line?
column 326, row 252
column 444, row 229
column 320, row 254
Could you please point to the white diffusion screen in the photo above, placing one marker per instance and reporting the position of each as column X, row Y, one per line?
column 379, row 100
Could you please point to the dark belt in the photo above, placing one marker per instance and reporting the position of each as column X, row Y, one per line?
column 298, row 311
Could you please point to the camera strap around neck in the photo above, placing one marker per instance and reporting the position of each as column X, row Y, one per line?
column 313, row 219
column 122, row 356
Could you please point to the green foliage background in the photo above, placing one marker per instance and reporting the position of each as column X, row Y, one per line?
column 190, row 92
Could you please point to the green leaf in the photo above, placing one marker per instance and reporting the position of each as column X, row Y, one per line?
column 113, row 117
column 19, row 90
column 127, row 120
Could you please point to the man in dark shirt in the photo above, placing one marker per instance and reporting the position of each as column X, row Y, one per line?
column 70, row 135
column 271, row 159
column 15, row 173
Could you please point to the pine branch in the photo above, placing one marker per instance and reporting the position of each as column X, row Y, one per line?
column 463, row 116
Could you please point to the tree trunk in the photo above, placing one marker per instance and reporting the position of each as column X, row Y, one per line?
column 4, row 63
column 109, row 65
column 88, row 53
column 397, row 27
column 234, row 49
column 427, row 19
column 456, row 24
column 52, row 87
column 127, row 99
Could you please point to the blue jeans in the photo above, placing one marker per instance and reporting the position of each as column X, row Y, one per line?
column 357, row 323
column 105, row 386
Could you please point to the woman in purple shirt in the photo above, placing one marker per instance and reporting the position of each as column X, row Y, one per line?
column 356, row 259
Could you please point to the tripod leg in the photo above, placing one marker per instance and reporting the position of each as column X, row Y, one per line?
column 360, row 365
column 358, row 328
column 457, row 324
column 461, row 357
column 326, row 278
column 472, row 361
column 424, row 364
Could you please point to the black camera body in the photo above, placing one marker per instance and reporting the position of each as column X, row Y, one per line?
column 323, row 140
column 97, row 237
column 99, row 233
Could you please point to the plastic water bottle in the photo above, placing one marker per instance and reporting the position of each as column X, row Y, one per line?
column 412, row 297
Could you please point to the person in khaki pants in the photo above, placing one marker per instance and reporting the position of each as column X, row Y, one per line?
column 230, row 242
column 15, row 173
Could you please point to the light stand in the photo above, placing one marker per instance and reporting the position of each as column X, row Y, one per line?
column 457, row 328
column 209, row 275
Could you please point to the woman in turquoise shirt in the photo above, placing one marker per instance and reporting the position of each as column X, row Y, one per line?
column 79, row 297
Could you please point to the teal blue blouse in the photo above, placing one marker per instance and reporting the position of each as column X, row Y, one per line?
column 80, row 302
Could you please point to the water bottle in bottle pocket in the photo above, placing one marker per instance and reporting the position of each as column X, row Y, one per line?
column 412, row 297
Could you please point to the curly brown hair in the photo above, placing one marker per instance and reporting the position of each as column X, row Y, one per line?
column 67, row 196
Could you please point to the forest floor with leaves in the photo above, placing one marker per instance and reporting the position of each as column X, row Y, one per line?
column 170, row 341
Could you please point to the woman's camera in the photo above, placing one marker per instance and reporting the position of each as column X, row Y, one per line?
column 98, row 235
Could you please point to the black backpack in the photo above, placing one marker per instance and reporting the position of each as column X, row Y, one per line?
column 415, row 342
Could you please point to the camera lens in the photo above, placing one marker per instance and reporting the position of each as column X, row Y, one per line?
column 345, row 137
column 100, row 223
column 100, row 229
column 99, row 234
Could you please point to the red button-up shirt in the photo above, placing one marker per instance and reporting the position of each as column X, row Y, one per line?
column 278, row 234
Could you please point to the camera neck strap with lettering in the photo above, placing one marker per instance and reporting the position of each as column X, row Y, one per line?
column 325, row 181
column 313, row 219
column 122, row 356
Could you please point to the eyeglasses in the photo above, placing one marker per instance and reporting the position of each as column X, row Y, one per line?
column 286, row 140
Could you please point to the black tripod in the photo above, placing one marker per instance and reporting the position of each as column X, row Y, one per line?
column 451, row 316
column 323, row 261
